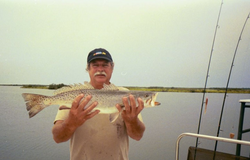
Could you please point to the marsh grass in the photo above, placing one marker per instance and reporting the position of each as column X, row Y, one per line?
column 191, row 90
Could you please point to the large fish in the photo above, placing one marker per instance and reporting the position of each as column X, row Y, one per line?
column 107, row 98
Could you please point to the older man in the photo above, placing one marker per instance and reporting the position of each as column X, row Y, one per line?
column 92, row 136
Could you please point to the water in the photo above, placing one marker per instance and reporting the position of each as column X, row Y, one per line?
column 24, row 138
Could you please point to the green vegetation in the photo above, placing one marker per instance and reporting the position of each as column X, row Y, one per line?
column 51, row 86
column 35, row 86
column 191, row 90
column 56, row 86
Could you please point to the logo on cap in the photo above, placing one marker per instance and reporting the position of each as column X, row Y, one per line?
column 98, row 53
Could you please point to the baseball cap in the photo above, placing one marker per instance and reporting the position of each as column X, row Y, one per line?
column 99, row 53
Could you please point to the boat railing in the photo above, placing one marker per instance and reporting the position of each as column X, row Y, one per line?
column 206, row 137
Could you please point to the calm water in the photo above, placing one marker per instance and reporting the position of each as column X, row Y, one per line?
column 24, row 138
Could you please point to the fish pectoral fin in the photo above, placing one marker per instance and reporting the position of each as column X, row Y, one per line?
column 113, row 117
column 63, row 107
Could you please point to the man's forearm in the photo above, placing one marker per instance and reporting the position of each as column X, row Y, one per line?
column 135, row 129
column 62, row 132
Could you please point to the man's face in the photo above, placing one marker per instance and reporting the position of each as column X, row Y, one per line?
column 100, row 71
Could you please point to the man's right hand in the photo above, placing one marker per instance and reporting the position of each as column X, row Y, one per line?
column 78, row 115
column 64, row 129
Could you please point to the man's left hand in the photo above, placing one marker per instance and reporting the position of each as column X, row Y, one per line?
column 131, row 111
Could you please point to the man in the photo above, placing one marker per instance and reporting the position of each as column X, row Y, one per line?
column 92, row 136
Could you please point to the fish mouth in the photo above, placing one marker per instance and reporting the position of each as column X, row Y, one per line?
column 157, row 103
column 152, row 101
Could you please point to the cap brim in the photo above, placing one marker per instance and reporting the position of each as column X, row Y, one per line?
column 94, row 58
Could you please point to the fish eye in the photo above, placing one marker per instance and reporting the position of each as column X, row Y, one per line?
column 146, row 95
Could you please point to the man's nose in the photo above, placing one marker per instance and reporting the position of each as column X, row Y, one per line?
column 100, row 68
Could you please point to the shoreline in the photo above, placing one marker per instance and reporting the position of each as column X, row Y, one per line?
column 192, row 90
column 153, row 89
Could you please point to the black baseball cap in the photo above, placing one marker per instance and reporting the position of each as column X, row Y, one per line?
column 99, row 53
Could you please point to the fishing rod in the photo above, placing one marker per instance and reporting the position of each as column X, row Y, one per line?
column 225, row 95
column 207, row 75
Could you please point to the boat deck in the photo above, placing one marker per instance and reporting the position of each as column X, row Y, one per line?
column 204, row 154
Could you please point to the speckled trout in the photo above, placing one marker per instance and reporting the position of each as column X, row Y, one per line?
column 107, row 98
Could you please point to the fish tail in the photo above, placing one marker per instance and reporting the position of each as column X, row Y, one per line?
column 34, row 103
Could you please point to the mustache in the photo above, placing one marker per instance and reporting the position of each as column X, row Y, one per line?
column 100, row 73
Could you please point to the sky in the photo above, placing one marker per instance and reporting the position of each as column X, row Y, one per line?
column 165, row 43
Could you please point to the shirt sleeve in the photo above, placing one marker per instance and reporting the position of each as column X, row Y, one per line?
column 61, row 115
column 122, row 89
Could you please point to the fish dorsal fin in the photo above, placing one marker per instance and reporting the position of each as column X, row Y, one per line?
column 74, row 87
column 110, row 87
column 86, row 85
